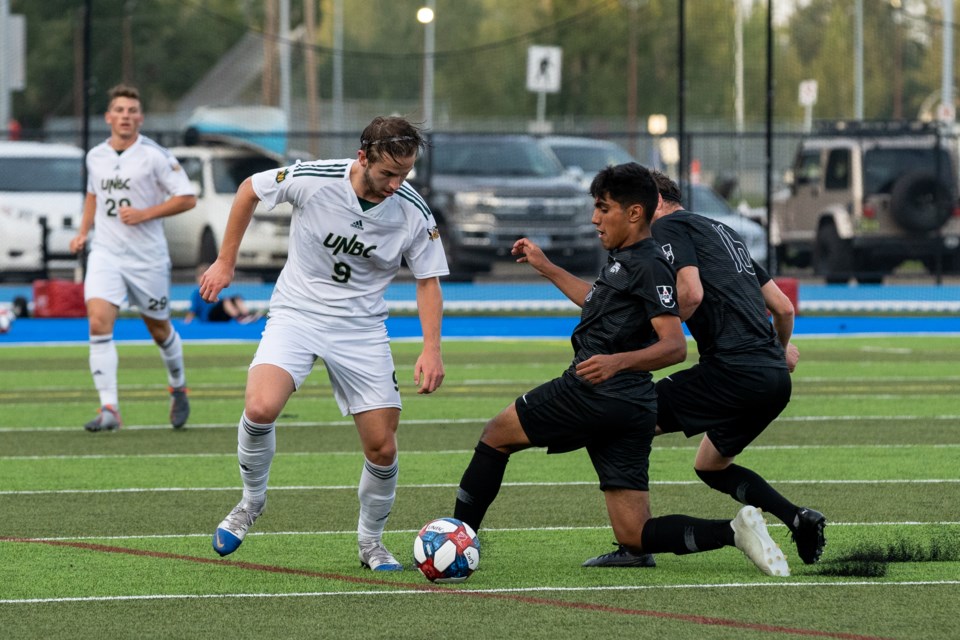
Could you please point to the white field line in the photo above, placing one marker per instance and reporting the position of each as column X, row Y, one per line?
column 461, row 421
column 353, row 532
column 388, row 592
column 444, row 485
column 405, row 452
column 487, row 382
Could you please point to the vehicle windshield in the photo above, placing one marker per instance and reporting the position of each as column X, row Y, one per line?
column 590, row 159
column 35, row 174
column 706, row 202
column 494, row 157
column 228, row 173
column 882, row 167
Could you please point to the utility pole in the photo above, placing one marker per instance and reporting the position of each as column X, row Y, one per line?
column 6, row 51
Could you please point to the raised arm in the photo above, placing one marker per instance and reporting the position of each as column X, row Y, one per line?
column 571, row 286
column 169, row 207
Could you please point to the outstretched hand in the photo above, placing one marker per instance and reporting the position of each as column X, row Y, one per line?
column 527, row 251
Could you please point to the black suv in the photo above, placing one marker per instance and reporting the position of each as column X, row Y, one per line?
column 486, row 191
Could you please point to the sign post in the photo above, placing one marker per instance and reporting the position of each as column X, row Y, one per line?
column 543, row 77
column 808, row 98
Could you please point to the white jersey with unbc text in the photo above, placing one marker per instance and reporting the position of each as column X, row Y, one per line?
column 341, row 258
column 143, row 175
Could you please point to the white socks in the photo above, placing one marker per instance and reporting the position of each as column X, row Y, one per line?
column 172, row 353
column 378, row 489
column 103, row 367
column 256, row 444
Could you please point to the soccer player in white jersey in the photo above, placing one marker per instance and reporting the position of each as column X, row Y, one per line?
column 133, row 183
column 354, row 221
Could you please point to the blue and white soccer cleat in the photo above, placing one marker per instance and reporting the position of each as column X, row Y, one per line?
column 230, row 532
column 373, row 555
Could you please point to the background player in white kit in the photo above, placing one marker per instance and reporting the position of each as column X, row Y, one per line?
column 132, row 184
column 353, row 222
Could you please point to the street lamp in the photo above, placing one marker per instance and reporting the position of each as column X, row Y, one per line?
column 425, row 16
column 656, row 127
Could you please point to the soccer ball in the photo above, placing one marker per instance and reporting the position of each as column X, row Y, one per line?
column 446, row 550
column 6, row 320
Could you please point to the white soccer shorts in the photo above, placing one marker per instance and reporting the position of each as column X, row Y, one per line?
column 144, row 286
column 358, row 361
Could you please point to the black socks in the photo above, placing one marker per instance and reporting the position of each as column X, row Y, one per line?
column 480, row 484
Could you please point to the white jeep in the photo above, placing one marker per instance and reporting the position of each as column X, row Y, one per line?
column 865, row 196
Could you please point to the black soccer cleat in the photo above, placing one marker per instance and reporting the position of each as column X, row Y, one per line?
column 622, row 557
column 179, row 406
column 809, row 535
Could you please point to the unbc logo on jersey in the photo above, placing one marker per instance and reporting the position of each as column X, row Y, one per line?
column 282, row 175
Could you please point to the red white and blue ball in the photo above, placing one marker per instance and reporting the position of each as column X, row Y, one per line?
column 6, row 320
column 446, row 550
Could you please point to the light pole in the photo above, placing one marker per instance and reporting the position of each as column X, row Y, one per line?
column 425, row 16
column 656, row 127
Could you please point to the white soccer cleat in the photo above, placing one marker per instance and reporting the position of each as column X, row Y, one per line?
column 751, row 537
column 373, row 555
column 231, row 532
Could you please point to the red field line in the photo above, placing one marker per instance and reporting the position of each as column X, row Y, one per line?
column 565, row 604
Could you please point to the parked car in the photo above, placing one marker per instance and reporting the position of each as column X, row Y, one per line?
column 486, row 191
column 21, row 255
column 701, row 199
column 587, row 156
column 41, row 185
column 216, row 171
column 863, row 197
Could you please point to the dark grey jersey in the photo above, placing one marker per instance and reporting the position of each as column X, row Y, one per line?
column 730, row 325
column 636, row 285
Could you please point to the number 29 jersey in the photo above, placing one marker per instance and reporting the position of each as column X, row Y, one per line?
column 341, row 258
column 143, row 175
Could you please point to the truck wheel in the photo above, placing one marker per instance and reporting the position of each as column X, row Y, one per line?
column 208, row 248
column 920, row 202
column 832, row 255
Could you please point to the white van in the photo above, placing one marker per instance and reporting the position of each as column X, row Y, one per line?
column 195, row 235
column 40, row 183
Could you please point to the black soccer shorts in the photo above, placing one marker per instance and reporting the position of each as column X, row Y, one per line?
column 564, row 415
column 732, row 406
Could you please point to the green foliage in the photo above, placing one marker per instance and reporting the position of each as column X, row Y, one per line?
column 480, row 56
